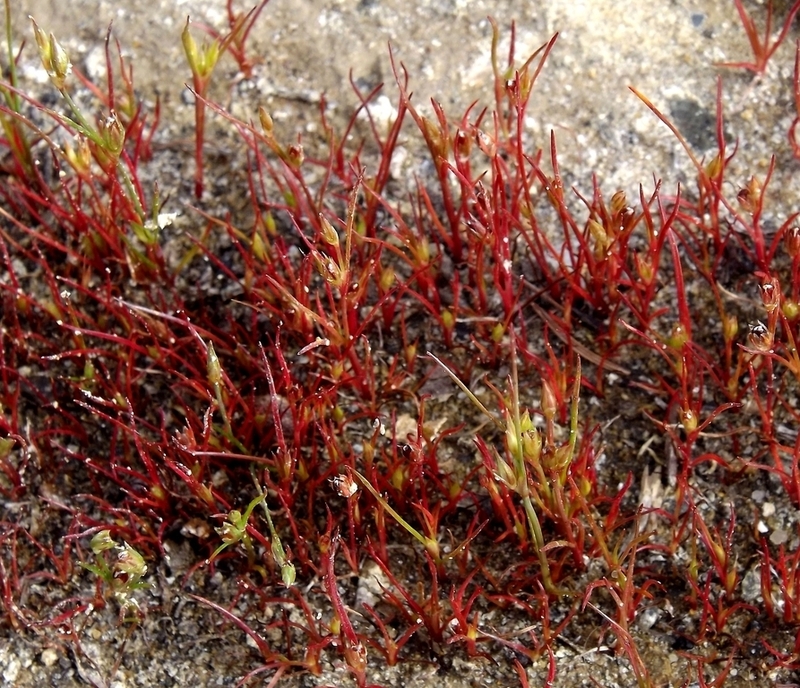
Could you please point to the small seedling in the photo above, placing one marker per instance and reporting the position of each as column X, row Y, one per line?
column 122, row 574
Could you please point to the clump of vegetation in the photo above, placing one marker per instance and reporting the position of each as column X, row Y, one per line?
column 396, row 375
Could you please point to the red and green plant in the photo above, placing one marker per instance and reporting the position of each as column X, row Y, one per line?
column 293, row 423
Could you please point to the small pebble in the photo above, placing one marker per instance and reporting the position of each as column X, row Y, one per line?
column 48, row 657
column 779, row 537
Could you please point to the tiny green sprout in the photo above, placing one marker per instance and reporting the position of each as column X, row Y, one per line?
column 234, row 530
column 279, row 554
column 288, row 573
column 147, row 232
column 125, row 575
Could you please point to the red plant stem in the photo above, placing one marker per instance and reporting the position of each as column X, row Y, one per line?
column 199, row 136
column 347, row 631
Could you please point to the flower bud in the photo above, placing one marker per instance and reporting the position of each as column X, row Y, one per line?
column 329, row 235
column 423, row 251
column 503, row 473
column 644, row 266
column 448, row 319
column 259, row 246
column 714, row 167
column 130, row 562
column 791, row 309
column 213, row 368
column 688, row 420
column 749, row 197
column 267, row 125
column 295, row 155
column 102, row 541
column 232, row 530
column 512, row 439
column 498, row 331
column 600, row 235
column 792, row 241
column 287, row 568
column 203, row 60
column 760, row 338
column 532, row 445
column 486, row 144
column 549, row 401
column 730, row 327
column 328, row 269
column 112, row 134
column 79, row 156
column 386, row 279
column 462, row 144
column 410, row 353
column 678, row 337
column 54, row 58
column 619, row 202
column 344, row 485
column 770, row 294
column 435, row 137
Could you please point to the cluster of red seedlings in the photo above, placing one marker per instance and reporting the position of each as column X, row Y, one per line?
column 168, row 406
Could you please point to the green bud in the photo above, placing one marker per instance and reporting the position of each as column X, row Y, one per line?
column 689, row 420
column 549, row 401
column 213, row 367
column 448, row 320
column 130, row 562
column 498, row 331
column 678, row 337
column 79, row 155
column 54, row 58
column 329, row 235
column 267, row 125
column 288, row 573
column 532, row 445
column 102, row 541
column 730, row 327
column 201, row 60
column 233, row 529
